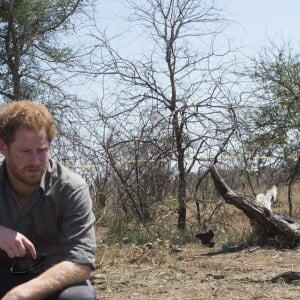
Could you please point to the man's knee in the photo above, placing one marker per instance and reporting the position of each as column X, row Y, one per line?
column 83, row 291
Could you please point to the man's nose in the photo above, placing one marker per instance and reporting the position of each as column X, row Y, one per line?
column 34, row 157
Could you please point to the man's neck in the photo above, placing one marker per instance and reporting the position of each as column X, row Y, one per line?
column 21, row 192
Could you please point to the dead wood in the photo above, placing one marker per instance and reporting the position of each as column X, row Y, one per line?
column 284, row 228
column 287, row 277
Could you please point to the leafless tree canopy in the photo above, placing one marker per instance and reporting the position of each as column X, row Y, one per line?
column 174, row 97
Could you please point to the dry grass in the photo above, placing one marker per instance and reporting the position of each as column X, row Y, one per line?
column 164, row 271
column 194, row 272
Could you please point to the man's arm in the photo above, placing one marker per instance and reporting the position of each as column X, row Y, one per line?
column 56, row 278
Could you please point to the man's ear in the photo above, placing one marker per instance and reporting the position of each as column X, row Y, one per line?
column 3, row 147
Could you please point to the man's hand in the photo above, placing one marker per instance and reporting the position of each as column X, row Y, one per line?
column 15, row 244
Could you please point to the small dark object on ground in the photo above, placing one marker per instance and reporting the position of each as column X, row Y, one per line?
column 288, row 277
column 206, row 238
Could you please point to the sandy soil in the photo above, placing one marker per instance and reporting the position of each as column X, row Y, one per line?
column 161, row 271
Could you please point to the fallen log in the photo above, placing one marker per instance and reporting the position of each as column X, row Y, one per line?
column 282, row 228
column 290, row 277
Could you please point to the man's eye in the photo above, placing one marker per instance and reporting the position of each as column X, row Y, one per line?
column 42, row 150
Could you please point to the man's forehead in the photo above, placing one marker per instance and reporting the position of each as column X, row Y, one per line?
column 26, row 136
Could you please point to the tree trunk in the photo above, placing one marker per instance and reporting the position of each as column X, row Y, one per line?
column 181, row 195
column 285, row 229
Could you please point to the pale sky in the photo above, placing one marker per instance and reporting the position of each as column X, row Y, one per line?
column 260, row 20
column 256, row 20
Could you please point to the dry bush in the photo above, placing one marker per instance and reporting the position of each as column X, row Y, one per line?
column 230, row 225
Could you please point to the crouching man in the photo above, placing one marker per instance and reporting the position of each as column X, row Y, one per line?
column 47, row 238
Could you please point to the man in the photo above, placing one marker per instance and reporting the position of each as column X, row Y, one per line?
column 47, row 238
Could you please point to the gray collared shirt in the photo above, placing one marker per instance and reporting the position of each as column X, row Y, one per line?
column 58, row 220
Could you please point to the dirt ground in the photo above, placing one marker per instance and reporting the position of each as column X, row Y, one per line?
column 162, row 271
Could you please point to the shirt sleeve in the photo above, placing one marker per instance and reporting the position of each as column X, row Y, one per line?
column 78, row 234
